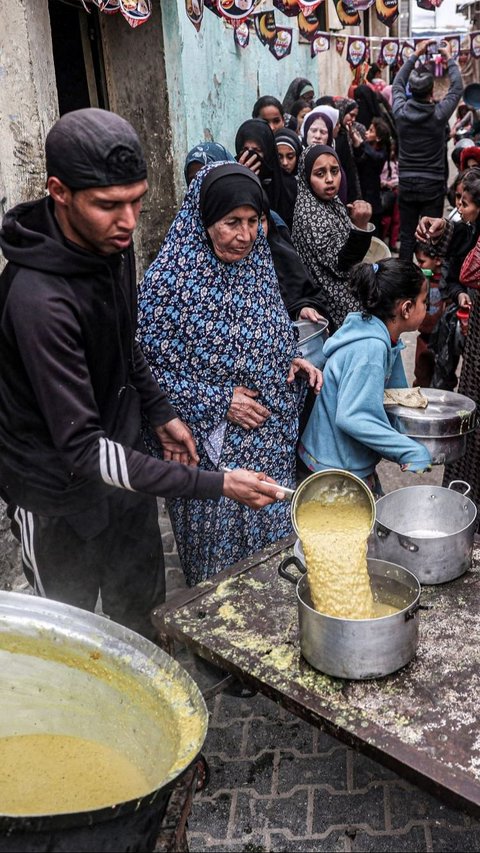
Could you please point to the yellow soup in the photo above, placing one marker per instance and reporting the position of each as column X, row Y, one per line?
column 48, row 774
column 334, row 539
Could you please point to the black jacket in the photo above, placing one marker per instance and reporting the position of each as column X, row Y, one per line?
column 73, row 380
column 421, row 125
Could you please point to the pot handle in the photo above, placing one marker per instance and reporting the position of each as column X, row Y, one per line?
column 462, row 483
column 407, row 544
column 382, row 532
column 410, row 614
column 283, row 571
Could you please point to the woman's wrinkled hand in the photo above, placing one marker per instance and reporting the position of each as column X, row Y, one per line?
column 311, row 314
column 312, row 373
column 244, row 409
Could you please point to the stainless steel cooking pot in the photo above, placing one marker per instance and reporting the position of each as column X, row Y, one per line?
column 69, row 672
column 427, row 529
column 360, row 648
column 442, row 427
column 311, row 337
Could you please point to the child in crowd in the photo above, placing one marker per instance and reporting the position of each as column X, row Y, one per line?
column 371, row 154
column 348, row 427
column 430, row 261
column 389, row 196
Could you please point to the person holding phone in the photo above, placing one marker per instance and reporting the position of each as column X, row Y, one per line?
column 422, row 127
column 256, row 148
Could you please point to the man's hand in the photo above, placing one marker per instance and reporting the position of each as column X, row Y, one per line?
column 244, row 411
column 248, row 487
column 422, row 47
column 177, row 442
column 313, row 374
column 445, row 50
column 430, row 229
column 360, row 213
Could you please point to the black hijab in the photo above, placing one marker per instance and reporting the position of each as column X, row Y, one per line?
column 294, row 92
column 368, row 106
column 226, row 188
column 296, row 284
column 314, row 151
column 271, row 175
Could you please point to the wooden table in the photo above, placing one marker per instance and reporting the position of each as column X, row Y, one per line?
column 422, row 722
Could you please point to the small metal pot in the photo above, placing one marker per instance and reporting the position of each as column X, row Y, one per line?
column 311, row 338
column 328, row 486
column 360, row 648
column 427, row 529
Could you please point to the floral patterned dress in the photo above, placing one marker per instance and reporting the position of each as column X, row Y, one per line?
column 205, row 327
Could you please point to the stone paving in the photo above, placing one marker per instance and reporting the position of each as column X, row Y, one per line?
column 279, row 784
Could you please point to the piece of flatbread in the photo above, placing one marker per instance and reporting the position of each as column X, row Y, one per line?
column 410, row 397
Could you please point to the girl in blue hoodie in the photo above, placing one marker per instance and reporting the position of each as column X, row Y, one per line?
column 348, row 427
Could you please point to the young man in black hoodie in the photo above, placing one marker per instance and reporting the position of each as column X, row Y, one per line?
column 422, row 136
column 74, row 384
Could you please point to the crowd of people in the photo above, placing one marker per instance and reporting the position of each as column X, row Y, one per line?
column 199, row 395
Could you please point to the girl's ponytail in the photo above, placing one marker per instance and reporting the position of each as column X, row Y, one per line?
column 378, row 287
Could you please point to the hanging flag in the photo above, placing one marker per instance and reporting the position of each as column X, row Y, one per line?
column 387, row 11
column 475, row 45
column 307, row 26
column 389, row 51
column 241, row 34
column 454, row 42
column 282, row 44
column 340, row 43
column 347, row 14
column 362, row 5
column 320, row 43
column 290, row 8
column 407, row 50
column 265, row 26
column 356, row 50
column 194, row 10
column 236, row 11
column 429, row 5
column 108, row 6
column 135, row 12
column 211, row 5
column 308, row 6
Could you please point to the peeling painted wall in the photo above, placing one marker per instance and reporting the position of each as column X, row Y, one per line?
column 28, row 103
column 212, row 84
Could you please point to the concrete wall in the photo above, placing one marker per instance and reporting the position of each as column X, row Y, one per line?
column 28, row 103
column 137, row 89
column 212, row 84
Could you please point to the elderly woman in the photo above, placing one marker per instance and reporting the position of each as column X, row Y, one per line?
column 217, row 335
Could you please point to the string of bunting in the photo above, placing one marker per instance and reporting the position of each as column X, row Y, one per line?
column 357, row 49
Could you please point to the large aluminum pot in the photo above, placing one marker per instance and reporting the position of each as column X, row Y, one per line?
column 360, row 648
column 427, row 529
column 65, row 671
column 328, row 486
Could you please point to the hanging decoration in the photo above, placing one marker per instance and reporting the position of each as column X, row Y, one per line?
column 135, row 12
column 429, row 5
column 282, row 44
column 475, row 45
column 320, row 43
column 308, row 6
column 290, row 8
column 387, row 11
column 212, row 6
column 194, row 10
column 406, row 51
column 265, row 27
column 454, row 42
column 307, row 26
column 340, row 43
column 347, row 13
column 389, row 49
column 236, row 11
column 356, row 50
column 241, row 34
column 362, row 5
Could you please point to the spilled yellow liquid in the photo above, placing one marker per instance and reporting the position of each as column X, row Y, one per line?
column 50, row 774
column 334, row 540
